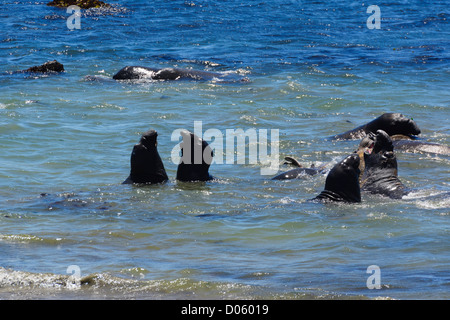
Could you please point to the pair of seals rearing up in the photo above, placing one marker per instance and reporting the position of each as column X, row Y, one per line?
column 379, row 175
column 377, row 160
column 394, row 124
column 148, row 168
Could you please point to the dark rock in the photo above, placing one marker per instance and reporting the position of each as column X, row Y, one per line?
column 50, row 66
column 83, row 4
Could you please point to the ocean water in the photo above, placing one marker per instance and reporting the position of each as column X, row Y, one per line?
column 70, row 230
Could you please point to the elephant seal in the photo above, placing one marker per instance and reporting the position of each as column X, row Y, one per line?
column 196, row 158
column 391, row 123
column 146, row 164
column 419, row 146
column 137, row 72
column 380, row 173
column 144, row 73
column 402, row 130
column 342, row 182
column 298, row 172
column 365, row 146
column 49, row 66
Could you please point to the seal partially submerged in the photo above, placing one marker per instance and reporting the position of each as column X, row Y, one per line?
column 342, row 182
column 196, row 158
column 419, row 146
column 146, row 164
column 366, row 145
column 391, row 123
column 380, row 174
column 145, row 73
column 401, row 129
column 298, row 172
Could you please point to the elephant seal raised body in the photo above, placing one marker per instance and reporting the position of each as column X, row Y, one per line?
column 342, row 182
column 380, row 173
column 146, row 164
column 196, row 158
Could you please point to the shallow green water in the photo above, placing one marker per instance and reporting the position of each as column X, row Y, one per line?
column 66, row 143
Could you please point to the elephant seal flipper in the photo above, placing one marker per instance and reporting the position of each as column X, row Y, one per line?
column 292, row 161
column 146, row 164
column 342, row 182
column 297, row 173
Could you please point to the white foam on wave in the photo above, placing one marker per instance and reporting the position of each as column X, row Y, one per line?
column 24, row 279
column 430, row 199
column 435, row 204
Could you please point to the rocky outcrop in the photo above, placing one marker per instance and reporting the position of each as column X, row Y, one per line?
column 50, row 66
column 83, row 4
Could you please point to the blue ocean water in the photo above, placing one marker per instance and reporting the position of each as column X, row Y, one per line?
column 315, row 69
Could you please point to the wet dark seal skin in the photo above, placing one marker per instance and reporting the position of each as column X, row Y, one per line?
column 342, row 182
column 419, row 146
column 298, row 172
column 146, row 164
column 380, row 173
column 391, row 123
column 196, row 158
column 402, row 130
column 137, row 72
column 365, row 146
